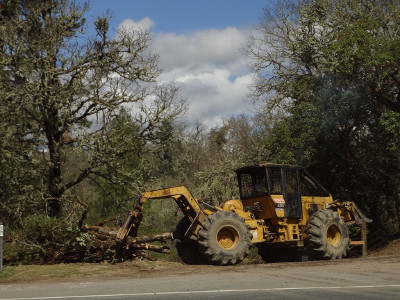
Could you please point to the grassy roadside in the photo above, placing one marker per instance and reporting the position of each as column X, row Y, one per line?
column 105, row 270
column 78, row 271
column 136, row 268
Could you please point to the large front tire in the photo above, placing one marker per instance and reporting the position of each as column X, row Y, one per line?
column 224, row 238
column 327, row 235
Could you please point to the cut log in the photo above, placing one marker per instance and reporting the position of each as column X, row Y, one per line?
column 155, row 248
column 151, row 238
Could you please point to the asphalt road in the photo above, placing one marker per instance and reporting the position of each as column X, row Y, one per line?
column 372, row 278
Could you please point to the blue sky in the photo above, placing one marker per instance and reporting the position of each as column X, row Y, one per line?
column 199, row 44
column 183, row 15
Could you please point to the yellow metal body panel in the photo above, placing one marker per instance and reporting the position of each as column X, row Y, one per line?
column 236, row 206
column 271, row 206
column 271, row 217
column 257, row 229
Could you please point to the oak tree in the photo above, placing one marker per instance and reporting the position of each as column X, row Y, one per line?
column 61, row 91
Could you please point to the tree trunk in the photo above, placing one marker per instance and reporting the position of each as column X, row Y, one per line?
column 54, row 172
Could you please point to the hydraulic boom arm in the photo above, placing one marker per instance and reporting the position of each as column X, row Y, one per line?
column 182, row 196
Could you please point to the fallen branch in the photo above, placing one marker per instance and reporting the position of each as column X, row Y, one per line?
column 108, row 231
column 144, row 255
column 101, row 223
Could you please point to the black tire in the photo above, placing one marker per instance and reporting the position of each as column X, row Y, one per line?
column 188, row 250
column 224, row 239
column 181, row 228
column 327, row 235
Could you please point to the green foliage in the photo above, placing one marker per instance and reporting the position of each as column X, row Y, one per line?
column 329, row 71
column 41, row 228
column 160, row 216
column 205, row 159
column 83, row 239
column 114, row 182
column 62, row 94
column 281, row 144
column 40, row 238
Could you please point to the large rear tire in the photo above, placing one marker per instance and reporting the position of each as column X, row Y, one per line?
column 224, row 238
column 188, row 250
column 327, row 235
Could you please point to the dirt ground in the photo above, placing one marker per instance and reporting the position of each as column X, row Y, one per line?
column 145, row 268
column 392, row 248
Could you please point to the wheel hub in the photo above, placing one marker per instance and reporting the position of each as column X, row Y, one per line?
column 227, row 237
column 334, row 235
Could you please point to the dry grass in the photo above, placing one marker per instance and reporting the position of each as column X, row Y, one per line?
column 137, row 268
column 78, row 271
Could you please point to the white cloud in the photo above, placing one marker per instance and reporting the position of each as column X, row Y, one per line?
column 217, row 47
column 214, row 95
column 144, row 24
column 209, row 68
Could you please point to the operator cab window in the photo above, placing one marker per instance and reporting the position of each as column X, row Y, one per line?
column 275, row 179
column 253, row 183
